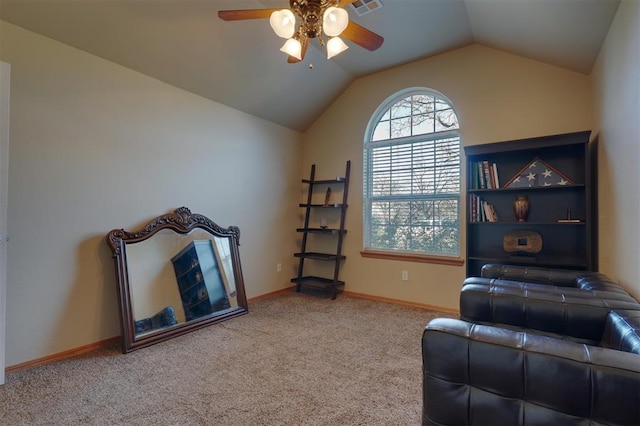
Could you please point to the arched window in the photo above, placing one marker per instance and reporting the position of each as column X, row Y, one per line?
column 412, row 175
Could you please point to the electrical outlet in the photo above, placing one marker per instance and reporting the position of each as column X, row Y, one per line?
column 405, row 275
column 279, row 267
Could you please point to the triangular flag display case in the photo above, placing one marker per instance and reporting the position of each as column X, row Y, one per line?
column 323, row 232
column 538, row 173
column 554, row 180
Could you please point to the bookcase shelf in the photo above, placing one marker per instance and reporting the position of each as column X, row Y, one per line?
column 570, row 245
column 566, row 263
column 545, row 189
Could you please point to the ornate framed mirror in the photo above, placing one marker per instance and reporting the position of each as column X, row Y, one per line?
column 180, row 272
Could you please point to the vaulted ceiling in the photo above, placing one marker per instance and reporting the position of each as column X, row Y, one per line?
column 185, row 44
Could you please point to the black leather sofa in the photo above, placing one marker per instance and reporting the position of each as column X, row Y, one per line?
column 561, row 349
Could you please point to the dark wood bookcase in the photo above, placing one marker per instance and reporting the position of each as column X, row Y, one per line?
column 565, row 244
column 199, row 280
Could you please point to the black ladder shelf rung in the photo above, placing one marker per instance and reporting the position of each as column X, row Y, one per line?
column 319, row 256
column 325, row 181
column 329, row 231
column 325, row 206
column 319, row 282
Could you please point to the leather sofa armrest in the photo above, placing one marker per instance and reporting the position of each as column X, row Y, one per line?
column 580, row 316
column 622, row 331
column 480, row 374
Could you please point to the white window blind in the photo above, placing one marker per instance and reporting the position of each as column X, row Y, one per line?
column 412, row 177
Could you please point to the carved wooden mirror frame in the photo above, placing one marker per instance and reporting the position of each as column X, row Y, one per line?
column 187, row 228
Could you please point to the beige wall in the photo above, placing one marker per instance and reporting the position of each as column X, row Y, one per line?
column 95, row 146
column 497, row 96
column 617, row 100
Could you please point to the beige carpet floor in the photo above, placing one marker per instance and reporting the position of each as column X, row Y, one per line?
column 294, row 359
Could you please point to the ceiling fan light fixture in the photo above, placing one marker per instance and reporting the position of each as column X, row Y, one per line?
column 335, row 46
column 283, row 23
column 323, row 20
column 334, row 21
column 292, row 47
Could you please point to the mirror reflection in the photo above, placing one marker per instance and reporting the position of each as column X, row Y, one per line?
column 181, row 270
column 176, row 278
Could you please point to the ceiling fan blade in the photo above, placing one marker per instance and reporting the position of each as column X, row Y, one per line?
column 362, row 36
column 294, row 60
column 239, row 15
column 344, row 3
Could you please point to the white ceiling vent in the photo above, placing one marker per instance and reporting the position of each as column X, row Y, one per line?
column 362, row 7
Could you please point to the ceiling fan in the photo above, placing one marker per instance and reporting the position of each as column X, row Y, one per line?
column 317, row 19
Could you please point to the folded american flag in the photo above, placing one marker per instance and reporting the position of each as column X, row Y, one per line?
column 538, row 173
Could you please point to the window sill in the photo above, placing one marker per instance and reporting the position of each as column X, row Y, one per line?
column 413, row 257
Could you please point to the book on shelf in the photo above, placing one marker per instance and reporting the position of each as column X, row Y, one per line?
column 481, row 177
column 490, row 212
column 494, row 170
column 488, row 175
column 485, row 175
column 472, row 208
column 480, row 210
column 475, row 182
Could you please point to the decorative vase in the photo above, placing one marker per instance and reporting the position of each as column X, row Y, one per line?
column 521, row 208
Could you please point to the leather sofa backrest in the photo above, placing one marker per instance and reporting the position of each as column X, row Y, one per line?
column 615, row 292
column 581, row 316
column 559, row 277
column 584, row 280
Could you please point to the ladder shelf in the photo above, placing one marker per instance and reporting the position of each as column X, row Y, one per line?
column 310, row 227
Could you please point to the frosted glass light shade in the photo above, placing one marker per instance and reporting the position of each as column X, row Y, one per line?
column 283, row 23
column 335, row 45
column 292, row 47
column 334, row 21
